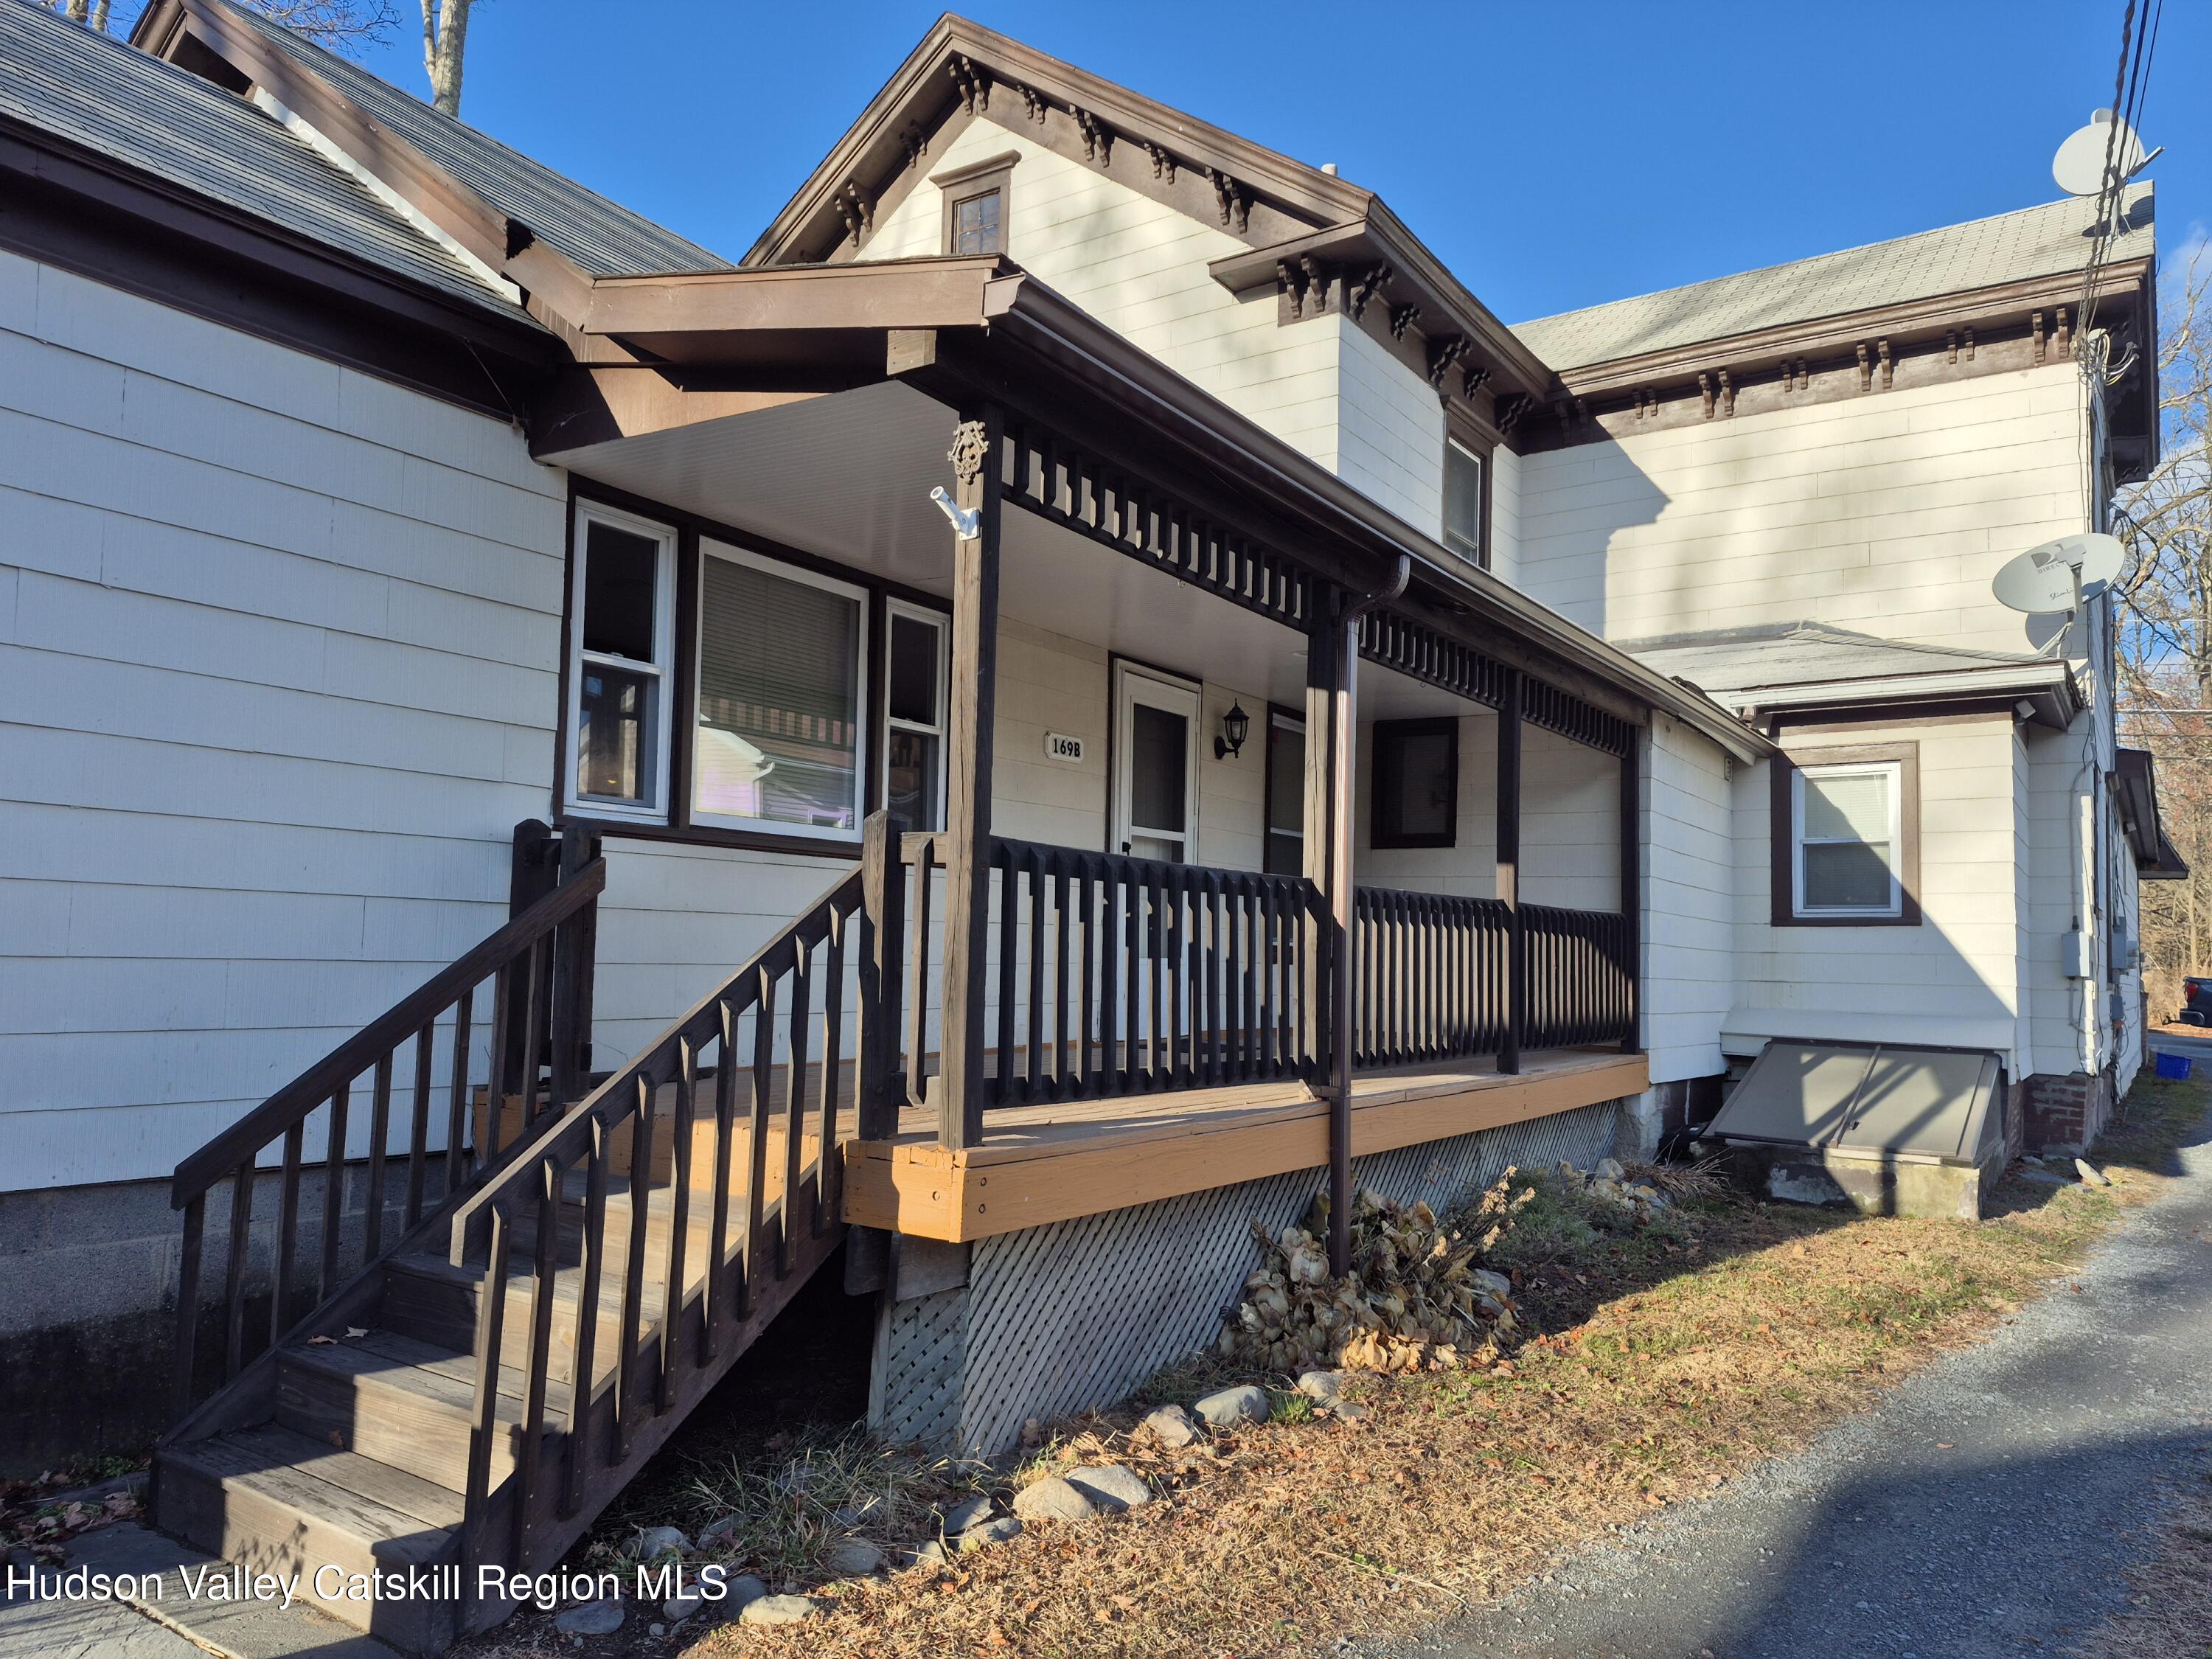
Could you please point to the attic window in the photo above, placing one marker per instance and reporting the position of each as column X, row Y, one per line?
column 1464, row 503
column 977, row 203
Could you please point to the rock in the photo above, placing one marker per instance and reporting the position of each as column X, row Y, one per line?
column 856, row 1515
column 2045, row 1178
column 855, row 1558
column 721, row 1528
column 1111, row 1486
column 1171, row 1426
column 2091, row 1175
column 931, row 1554
column 779, row 1610
column 676, row 1609
column 991, row 1532
column 1492, row 1284
column 742, row 1591
column 963, row 1516
column 1053, row 1499
column 1609, row 1169
column 1226, row 1409
column 1348, row 1413
column 1322, row 1387
column 590, row 1618
column 661, row 1540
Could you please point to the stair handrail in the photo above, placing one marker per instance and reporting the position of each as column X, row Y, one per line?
column 548, row 947
column 622, row 1109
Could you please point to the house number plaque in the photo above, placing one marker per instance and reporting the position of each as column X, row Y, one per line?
column 1060, row 747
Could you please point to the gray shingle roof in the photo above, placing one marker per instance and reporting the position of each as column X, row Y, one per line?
column 117, row 102
column 2039, row 241
column 1738, row 659
column 597, row 235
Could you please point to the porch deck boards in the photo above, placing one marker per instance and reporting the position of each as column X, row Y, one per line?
column 1055, row 1162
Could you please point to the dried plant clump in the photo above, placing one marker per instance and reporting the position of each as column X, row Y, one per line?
column 1415, row 1298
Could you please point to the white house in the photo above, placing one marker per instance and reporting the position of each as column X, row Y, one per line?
column 464, row 645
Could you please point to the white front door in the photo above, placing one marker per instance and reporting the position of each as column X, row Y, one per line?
column 1155, row 765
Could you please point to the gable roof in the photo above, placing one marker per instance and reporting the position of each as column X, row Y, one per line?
column 2050, row 240
column 597, row 235
column 103, row 97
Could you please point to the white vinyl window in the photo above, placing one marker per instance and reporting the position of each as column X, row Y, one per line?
column 917, row 685
column 1846, row 833
column 781, row 681
column 1463, row 502
column 621, row 641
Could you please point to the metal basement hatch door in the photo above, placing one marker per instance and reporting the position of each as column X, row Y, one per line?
column 1935, row 1105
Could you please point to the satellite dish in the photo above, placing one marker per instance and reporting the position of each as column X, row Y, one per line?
column 2079, row 167
column 2096, row 558
column 2038, row 581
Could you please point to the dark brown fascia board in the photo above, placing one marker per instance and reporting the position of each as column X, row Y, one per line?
column 2050, row 686
column 88, row 213
column 876, row 294
column 1913, row 320
column 921, row 89
column 1382, row 239
column 403, row 169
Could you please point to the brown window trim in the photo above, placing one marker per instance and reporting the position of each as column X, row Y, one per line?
column 1781, row 866
column 1445, row 725
column 1296, row 717
column 1480, row 442
column 682, row 706
column 957, row 185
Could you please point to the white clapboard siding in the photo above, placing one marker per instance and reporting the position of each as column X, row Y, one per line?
column 278, row 657
column 1689, row 959
column 2064, row 1015
column 1139, row 266
column 1888, row 512
column 1569, row 824
column 1952, row 979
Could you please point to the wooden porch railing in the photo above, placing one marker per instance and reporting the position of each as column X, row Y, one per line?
column 1113, row 975
column 538, row 967
column 1581, row 983
column 745, row 1062
column 1431, row 976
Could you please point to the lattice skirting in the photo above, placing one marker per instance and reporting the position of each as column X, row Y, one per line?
column 1063, row 1317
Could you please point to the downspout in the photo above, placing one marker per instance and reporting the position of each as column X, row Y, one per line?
column 1343, row 732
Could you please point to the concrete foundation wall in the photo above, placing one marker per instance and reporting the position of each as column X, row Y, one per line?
column 1057, row 1319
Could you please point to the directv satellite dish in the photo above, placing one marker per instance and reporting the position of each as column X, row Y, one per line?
column 2079, row 167
column 2095, row 558
column 2038, row 581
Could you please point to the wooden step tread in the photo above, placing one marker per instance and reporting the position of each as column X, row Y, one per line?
column 440, row 1380
column 398, row 1516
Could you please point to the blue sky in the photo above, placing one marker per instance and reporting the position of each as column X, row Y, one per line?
column 1554, row 156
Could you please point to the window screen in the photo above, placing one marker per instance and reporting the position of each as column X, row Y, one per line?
column 1847, row 839
column 622, row 639
column 778, row 739
column 914, row 765
column 1463, row 501
column 1416, row 783
column 1286, row 797
column 976, row 224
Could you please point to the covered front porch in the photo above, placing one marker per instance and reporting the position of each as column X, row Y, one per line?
column 1114, row 976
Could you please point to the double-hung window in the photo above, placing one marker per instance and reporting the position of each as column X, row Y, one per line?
column 916, row 686
column 622, row 612
column 1464, row 503
column 1846, row 833
column 779, row 739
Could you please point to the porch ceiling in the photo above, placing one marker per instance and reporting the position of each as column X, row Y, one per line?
column 847, row 477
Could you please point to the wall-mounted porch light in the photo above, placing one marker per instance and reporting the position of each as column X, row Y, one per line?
column 1233, row 725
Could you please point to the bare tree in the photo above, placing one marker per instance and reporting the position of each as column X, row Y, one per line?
column 341, row 24
column 2164, row 645
column 445, row 37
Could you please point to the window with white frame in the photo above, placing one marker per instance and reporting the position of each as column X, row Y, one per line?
column 1463, row 502
column 915, row 702
column 622, row 639
column 779, row 741
column 1846, row 832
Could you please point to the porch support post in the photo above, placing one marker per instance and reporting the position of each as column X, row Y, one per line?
column 1317, row 950
column 975, row 458
column 1508, row 872
column 1632, row 889
column 1331, row 670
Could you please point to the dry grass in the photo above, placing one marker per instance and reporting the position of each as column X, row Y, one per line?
column 1678, row 1352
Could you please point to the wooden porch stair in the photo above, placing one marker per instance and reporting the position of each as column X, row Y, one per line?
column 352, row 1451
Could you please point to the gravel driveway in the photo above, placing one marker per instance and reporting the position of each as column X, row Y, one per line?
column 1989, row 1506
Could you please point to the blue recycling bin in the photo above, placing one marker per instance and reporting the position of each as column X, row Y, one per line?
column 2173, row 1065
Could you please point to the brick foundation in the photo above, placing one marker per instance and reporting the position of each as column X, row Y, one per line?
column 2066, row 1111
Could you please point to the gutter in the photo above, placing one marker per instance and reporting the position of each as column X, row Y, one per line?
column 2051, row 686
